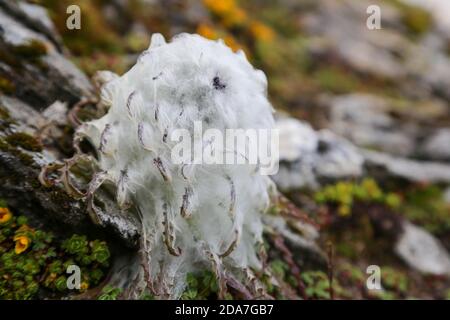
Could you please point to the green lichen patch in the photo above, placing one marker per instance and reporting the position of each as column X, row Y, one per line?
column 25, row 141
column 345, row 194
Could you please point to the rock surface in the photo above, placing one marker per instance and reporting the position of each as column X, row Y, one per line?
column 364, row 119
column 437, row 146
column 421, row 251
column 399, row 128
column 38, row 72
column 44, row 83
column 385, row 53
column 382, row 165
column 308, row 157
column 440, row 9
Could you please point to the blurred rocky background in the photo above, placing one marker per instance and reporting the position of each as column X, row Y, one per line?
column 364, row 117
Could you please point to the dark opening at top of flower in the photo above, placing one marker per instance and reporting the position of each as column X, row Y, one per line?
column 218, row 85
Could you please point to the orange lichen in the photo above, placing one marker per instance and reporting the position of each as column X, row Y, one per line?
column 221, row 7
column 206, row 31
column 232, row 43
column 261, row 32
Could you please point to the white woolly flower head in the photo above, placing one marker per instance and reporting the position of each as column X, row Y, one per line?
column 193, row 216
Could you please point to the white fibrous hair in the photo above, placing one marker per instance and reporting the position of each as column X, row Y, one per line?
column 194, row 216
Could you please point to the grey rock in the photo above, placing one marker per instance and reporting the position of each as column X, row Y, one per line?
column 308, row 157
column 364, row 120
column 365, row 50
column 45, row 89
column 421, row 251
column 56, row 113
column 382, row 165
column 21, row 188
column 386, row 53
column 34, row 17
column 42, row 80
column 437, row 146
column 440, row 9
column 397, row 127
column 447, row 195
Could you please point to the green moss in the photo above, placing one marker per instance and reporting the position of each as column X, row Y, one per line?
column 6, row 86
column 417, row 20
column 24, row 141
column 5, row 118
column 4, row 113
column 32, row 50
column 425, row 205
column 335, row 80
column 39, row 267
column 100, row 61
column 26, row 159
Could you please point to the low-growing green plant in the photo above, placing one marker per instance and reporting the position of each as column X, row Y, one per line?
column 425, row 205
column 395, row 285
column 394, row 280
column 33, row 262
column 109, row 293
column 317, row 285
column 200, row 286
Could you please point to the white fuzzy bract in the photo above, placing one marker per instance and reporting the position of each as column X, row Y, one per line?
column 193, row 216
